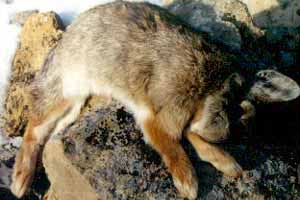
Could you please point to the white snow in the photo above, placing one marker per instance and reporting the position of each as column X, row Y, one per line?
column 66, row 9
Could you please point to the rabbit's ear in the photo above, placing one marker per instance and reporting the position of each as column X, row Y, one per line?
column 272, row 86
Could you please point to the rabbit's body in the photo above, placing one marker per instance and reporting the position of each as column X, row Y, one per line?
column 137, row 54
column 160, row 69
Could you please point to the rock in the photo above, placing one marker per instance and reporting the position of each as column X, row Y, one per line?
column 284, row 45
column 283, row 39
column 104, row 155
column 288, row 37
column 72, row 185
column 3, row 138
column 104, row 152
column 39, row 35
column 223, row 20
column 21, row 17
column 298, row 174
column 16, row 109
column 5, row 173
column 7, row 154
column 274, row 13
column 287, row 59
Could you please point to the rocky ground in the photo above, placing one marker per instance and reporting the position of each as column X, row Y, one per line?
column 103, row 156
column 108, row 151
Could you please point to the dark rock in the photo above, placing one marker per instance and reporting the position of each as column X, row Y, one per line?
column 298, row 174
column 105, row 150
column 7, row 154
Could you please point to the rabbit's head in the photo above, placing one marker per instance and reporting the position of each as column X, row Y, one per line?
column 234, row 103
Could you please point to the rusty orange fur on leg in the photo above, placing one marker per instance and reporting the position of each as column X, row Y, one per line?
column 25, row 162
column 175, row 158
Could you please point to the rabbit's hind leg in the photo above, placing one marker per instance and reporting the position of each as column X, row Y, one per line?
column 38, row 130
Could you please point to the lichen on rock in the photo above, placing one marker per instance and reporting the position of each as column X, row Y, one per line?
column 105, row 150
column 39, row 35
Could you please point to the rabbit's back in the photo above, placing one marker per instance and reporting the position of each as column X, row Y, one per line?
column 137, row 49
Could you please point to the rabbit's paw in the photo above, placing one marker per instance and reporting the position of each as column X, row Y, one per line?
column 185, row 179
column 24, row 169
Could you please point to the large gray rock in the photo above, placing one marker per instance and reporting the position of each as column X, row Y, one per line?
column 223, row 20
column 7, row 154
column 103, row 156
column 274, row 13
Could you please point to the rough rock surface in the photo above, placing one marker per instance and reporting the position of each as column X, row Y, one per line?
column 223, row 20
column 103, row 156
column 7, row 154
column 39, row 35
column 270, row 13
column 106, row 148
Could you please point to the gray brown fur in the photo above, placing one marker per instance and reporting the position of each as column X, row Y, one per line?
column 141, row 48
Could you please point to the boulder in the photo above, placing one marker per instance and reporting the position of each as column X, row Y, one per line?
column 7, row 154
column 103, row 156
column 274, row 13
column 225, row 21
column 284, row 42
column 39, row 35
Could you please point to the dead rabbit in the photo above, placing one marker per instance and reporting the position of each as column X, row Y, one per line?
column 175, row 83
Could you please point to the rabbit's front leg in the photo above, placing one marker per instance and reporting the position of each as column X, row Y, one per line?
column 211, row 153
column 174, row 156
